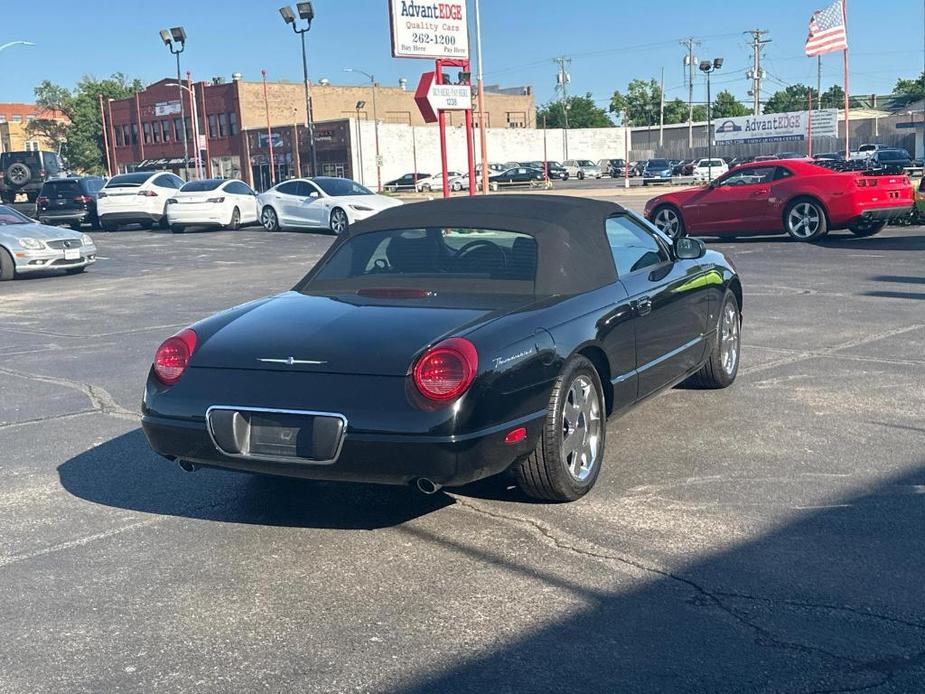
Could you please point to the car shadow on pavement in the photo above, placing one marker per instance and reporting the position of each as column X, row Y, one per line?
column 124, row 473
column 907, row 242
column 828, row 600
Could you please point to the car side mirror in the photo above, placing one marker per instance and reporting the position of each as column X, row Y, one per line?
column 313, row 194
column 686, row 248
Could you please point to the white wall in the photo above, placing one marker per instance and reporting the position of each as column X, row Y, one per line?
column 404, row 148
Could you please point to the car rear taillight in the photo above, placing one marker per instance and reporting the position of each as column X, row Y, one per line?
column 446, row 370
column 83, row 199
column 42, row 173
column 216, row 200
column 147, row 193
column 866, row 182
column 172, row 357
column 41, row 200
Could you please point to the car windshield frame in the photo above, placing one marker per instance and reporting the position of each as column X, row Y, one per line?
column 15, row 214
column 328, row 186
column 659, row 164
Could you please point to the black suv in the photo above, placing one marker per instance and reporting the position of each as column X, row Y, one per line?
column 70, row 201
column 25, row 172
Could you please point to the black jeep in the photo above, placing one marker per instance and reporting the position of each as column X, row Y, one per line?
column 25, row 172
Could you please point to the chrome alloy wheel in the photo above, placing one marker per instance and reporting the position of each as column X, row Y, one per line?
column 581, row 428
column 729, row 339
column 804, row 220
column 338, row 221
column 268, row 219
column 668, row 222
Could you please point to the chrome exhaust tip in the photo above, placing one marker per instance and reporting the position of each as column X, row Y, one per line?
column 187, row 466
column 426, row 486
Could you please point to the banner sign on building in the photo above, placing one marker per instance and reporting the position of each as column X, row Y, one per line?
column 776, row 127
column 166, row 108
column 426, row 29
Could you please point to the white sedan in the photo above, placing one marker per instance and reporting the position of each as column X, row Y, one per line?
column 435, row 182
column 323, row 202
column 708, row 169
column 226, row 203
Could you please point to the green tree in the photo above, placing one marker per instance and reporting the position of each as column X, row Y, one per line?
column 727, row 106
column 676, row 111
column 84, row 134
column 833, row 97
column 795, row 97
column 582, row 113
column 640, row 103
column 910, row 90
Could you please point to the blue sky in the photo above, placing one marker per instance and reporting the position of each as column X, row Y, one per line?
column 611, row 42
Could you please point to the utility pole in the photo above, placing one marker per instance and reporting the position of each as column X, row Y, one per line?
column 661, row 111
column 562, row 82
column 756, row 74
column 690, row 60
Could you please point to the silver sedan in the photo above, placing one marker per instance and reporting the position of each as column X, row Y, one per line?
column 27, row 246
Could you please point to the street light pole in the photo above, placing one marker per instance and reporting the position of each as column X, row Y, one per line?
column 306, row 12
column 708, row 67
column 177, row 35
column 372, row 81
column 360, row 104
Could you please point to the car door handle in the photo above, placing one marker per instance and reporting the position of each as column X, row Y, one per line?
column 759, row 193
column 644, row 306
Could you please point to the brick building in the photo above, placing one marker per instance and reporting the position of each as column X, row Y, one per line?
column 146, row 131
column 14, row 130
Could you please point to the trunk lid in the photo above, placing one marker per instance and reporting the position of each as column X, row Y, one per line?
column 343, row 332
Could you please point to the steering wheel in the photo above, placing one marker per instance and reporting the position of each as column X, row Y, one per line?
column 471, row 246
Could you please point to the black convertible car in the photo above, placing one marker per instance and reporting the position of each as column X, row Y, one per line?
column 447, row 341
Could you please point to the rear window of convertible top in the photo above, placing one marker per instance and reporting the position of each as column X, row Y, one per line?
column 433, row 259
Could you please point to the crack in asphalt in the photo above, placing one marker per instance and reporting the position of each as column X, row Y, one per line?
column 100, row 400
column 829, row 351
column 763, row 637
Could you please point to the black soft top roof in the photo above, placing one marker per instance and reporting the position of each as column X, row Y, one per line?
column 573, row 254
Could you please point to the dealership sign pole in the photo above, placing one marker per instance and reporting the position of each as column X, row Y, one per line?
column 439, row 31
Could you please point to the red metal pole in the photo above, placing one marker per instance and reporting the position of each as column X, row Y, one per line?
column 470, row 140
column 141, row 133
column 205, row 128
column 809, row 127
column 105, row 136
column 112, row 139
column 266, row 102
column 438, row 78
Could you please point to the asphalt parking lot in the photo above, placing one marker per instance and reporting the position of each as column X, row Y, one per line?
column 768, row 537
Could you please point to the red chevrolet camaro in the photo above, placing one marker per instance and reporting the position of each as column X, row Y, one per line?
column 795, row 196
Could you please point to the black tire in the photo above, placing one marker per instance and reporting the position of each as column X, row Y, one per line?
column 107, row 226
column 76, row 226
column 163, row 223
column 545, row 473
column 581, row 175
column 235, row 220
column 7, row 266
column 669, row 219
column 146, row 225
column 338, row 222
column 32, row 197
column 865, row 229
column 805, row 220
column 18, row 174
column 269, row 219
column 177, row 228
column 721, row 367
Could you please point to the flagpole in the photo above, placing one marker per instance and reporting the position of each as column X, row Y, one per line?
column 809, row 126
column 847, row 133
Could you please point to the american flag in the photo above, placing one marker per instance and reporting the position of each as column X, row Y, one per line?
column 827, row 30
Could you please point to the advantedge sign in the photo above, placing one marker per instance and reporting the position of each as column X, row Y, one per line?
column 429, row 29
column 776, row 127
